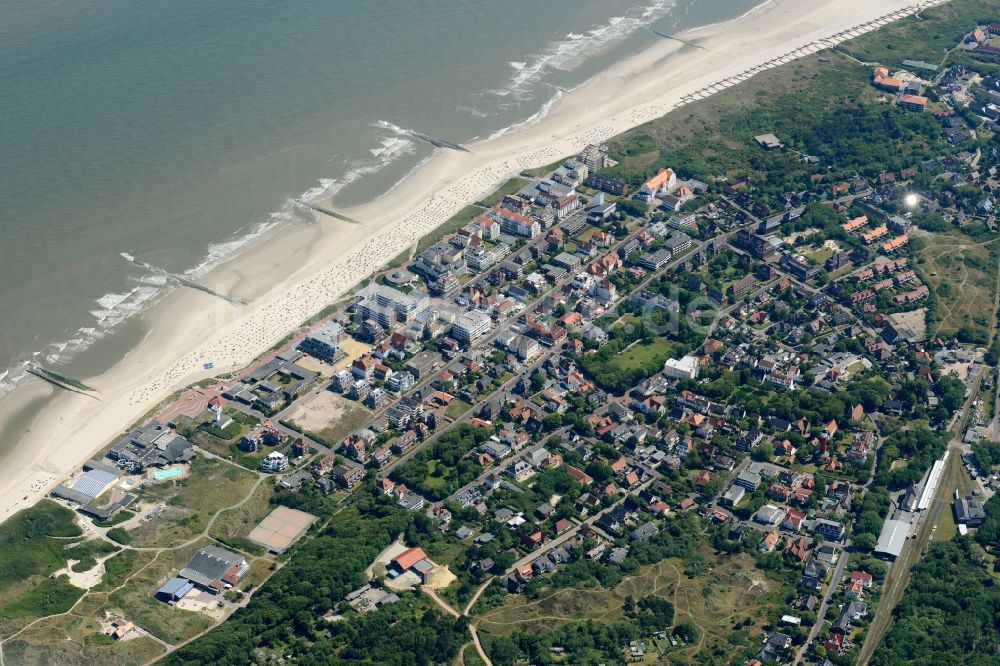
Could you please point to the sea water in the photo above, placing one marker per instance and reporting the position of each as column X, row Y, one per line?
column 176, row 132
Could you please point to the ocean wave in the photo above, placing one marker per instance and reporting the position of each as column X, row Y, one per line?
column 13, row 376
column 388, row 150
column 473, row 111
column 112, row 309
column 569, row 52
column 750, row 12
column 115, row 308
column 392, row 147
column 530, row 120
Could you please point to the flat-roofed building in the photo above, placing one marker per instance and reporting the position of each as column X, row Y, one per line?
column 214, row 569
column 386, row 305
column 733, row 496
column 892, row 539
column 683, row 368
column 323, row 342
column 471, row 326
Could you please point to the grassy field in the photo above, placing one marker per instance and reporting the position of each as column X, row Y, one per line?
column 77, row 641
column 962, row 273
column 510, row 187
column 911, row 39
column 470, row 657
column 191, row 502
column 260, row 571
column 730, row 593
column 436, row 477
column 117, row 569
column 641, row 355
column 232, row 527
column 223, row 443
column 122, row 516
column 34, row 544
column 954, row 476
column 457, row 408
column 355, row 416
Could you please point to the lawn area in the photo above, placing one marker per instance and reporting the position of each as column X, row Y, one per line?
column 457, row 408
column 719, row 601
column 640, row 355
column 232, row 526
column 119, row 518
column 224, row 442
column 588, row 232
column 821, row 255
column 946, row 528
column 954, row 477
column 449, row 226
column 191, row 502
column 841, row 272
column 445, row 551
column 627, row 319
column 260, row 571
column 962, row 274
column 137, row 603
column 510, row 187
column 436, row 479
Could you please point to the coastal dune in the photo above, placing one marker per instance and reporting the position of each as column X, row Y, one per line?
column 304, row 267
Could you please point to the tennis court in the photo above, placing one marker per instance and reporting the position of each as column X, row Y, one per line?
column 281, row 528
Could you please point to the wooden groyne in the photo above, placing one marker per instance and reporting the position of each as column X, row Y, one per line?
column 180, row 279
column 326, row 211
column 57, row 380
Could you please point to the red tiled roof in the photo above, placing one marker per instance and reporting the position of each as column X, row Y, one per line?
column 409, row 557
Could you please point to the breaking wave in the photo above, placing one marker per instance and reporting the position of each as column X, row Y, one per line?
column 112, row 309
column 567, row 53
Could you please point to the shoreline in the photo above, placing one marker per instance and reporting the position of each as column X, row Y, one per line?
column 301, row 268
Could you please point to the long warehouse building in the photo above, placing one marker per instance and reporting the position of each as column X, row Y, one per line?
column 930, row 487
column 892, row 539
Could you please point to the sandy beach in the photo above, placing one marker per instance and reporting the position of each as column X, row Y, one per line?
column 302, row 268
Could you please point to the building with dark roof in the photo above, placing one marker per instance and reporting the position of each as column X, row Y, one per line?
column 969, row 512
column 214, row 569
column 152, row 445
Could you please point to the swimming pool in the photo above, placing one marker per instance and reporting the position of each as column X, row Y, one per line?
column 169, row 473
